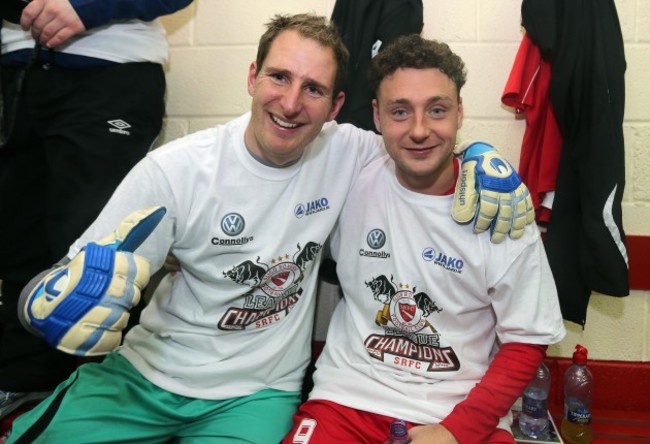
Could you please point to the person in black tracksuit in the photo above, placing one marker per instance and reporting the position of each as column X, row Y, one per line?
column 366, row 27
column 585, row 241
column 362, row 23
column 89, row 109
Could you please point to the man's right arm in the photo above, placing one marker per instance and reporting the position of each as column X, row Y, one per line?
column 103, row 258
column 145, row 186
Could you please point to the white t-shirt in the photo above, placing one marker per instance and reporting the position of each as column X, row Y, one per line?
column 425, row 302
column 239, row 316
column 120, row 42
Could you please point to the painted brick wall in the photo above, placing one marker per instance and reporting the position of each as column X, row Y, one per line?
column 214, row 41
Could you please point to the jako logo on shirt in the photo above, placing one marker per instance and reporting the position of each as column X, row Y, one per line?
column 313, row 207
column 441, row 259
column 119, row 126
column 232, row 224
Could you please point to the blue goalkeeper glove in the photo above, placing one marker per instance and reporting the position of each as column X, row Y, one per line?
column 490, row 192
column 82, row 307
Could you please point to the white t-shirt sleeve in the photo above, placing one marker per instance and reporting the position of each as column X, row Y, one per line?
column 523, row 294
column 143, row 187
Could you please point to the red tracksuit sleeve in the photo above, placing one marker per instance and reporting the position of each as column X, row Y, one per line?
column 474, row 419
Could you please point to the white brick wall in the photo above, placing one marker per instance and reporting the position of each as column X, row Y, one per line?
column 214, row 41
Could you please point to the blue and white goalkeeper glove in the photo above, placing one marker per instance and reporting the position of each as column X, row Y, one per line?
column 490, row 192
column 82, row 307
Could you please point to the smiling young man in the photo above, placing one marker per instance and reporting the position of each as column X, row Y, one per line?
column 439, row 327
column 294, row 94
column 249, row 205
column 420, row 131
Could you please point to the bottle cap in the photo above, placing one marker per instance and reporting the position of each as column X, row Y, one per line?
column 398, row 428
column 580, row 355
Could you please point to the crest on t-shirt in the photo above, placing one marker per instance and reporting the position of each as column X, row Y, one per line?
column 275, row 288
column 409, row 339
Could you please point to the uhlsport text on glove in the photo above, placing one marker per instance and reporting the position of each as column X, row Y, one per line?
column 490, row 192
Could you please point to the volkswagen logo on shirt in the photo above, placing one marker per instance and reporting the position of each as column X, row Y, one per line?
column 376, row 239
column 232, row 224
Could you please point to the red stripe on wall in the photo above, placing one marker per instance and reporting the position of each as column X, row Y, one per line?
column 619, row 385
column 638, row 250
column 621, row 399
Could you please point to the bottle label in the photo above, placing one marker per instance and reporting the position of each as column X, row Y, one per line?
column 580, row 416
column 534, row 408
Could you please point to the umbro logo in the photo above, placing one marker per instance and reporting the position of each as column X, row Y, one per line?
column 119, row 126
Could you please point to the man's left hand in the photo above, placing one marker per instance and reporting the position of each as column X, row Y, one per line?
column 51, row 22
column 490, row 192
column 430, row 434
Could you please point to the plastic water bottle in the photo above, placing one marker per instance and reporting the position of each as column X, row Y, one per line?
column 533, row 420
column 397, row 433
column 578, row 388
